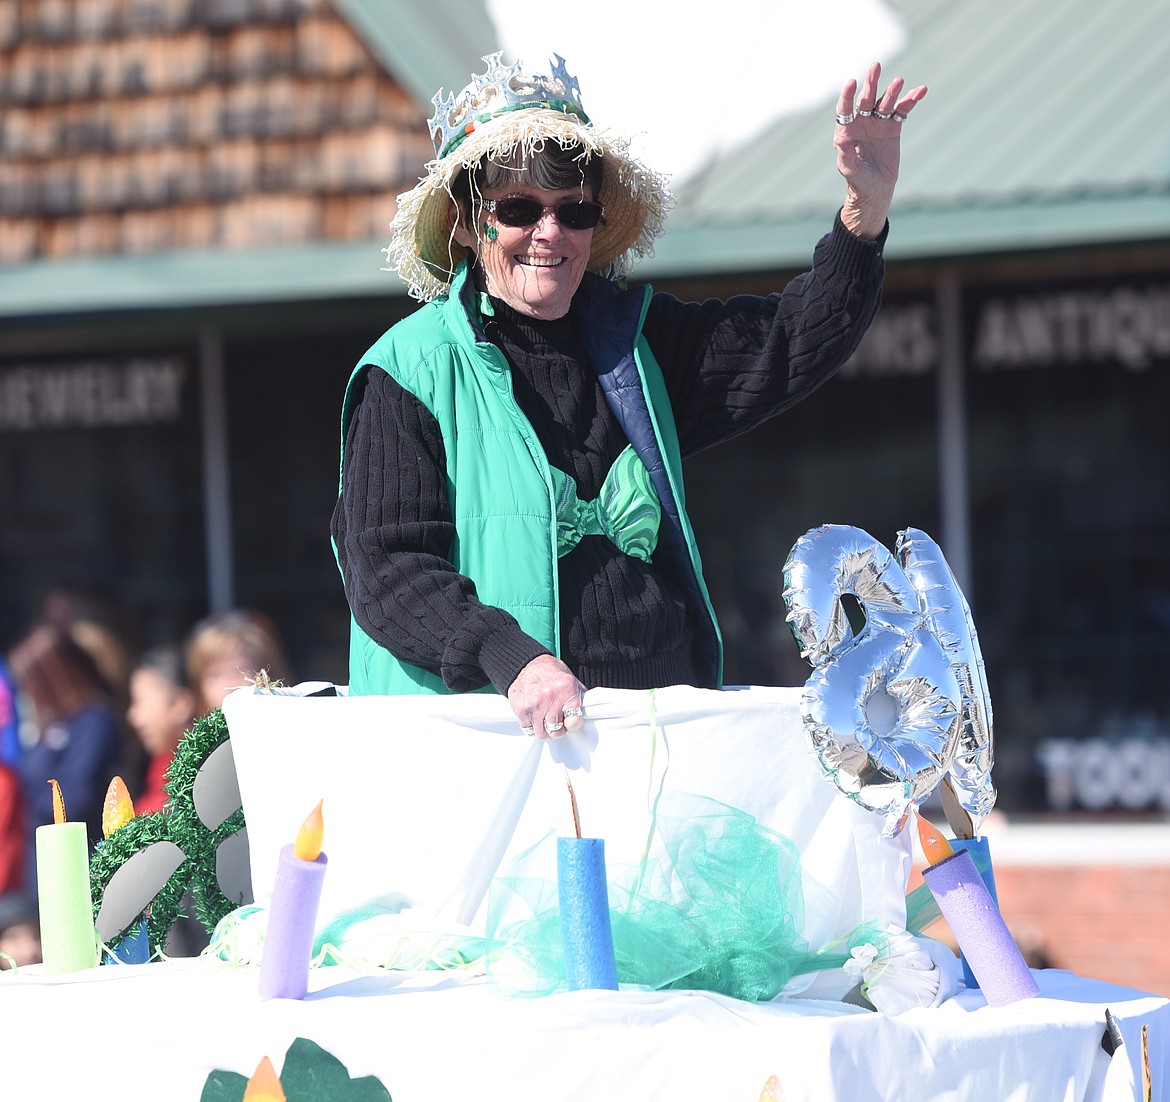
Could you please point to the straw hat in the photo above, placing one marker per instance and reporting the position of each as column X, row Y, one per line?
column 510, row 108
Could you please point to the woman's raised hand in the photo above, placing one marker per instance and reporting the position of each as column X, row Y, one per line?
column 868, row 137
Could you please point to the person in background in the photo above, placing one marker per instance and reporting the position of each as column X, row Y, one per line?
column 13, row 828
column 10, row 750
column 12, row 813
column 511, row 513
column 162, row 709
column 98, row 624
column 20, row 931
column 79, row 740
column 228, row 649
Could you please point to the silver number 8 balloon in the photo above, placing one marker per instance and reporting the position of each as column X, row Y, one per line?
column 884, row 706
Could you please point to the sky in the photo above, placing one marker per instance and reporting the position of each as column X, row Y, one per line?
column 687, row 79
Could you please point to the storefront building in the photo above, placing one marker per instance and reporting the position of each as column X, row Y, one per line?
column 171, row 364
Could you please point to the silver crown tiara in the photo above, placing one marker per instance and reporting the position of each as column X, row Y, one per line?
column 501, row 88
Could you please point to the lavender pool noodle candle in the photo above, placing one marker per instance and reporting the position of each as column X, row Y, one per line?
column 584, row 905
column 981, row 855
column 292, row 920
column 980, row 931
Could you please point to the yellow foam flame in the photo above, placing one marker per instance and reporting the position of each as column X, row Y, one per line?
column 58, row 803
column 311, row 836
column 773, row 1091
column 118, row 809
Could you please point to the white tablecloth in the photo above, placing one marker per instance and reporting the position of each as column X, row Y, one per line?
column 156, row 1031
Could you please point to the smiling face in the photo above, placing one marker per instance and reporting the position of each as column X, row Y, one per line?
column 535, row 269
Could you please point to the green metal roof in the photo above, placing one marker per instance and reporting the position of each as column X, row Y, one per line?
column 1041, row 128
column 425, row 44
column 317, row 270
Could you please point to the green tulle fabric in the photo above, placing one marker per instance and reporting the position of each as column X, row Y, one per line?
column 626, row 511
column 722, row 910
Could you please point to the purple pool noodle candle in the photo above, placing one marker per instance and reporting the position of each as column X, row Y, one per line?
column 292, row 920
column 980, row 853
column 980, row 931
column 584, row 905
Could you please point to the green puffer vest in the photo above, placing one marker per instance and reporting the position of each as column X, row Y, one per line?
column 500, row 489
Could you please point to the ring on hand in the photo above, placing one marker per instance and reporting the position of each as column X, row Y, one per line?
column 576, row 713
column 883, row 115
column 528, row 730
column 900, row 117
column 553, row 728
column 864, row 114
column 845, row 120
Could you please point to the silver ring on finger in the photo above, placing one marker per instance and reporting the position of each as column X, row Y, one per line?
column 528, row 730
column 845, row 120
column 574, row 713
column 899, row 116
column 553, row 728
column 883, row 115
column 864, row 114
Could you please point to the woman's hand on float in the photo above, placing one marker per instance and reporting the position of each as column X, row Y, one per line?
column 546, row 697
column 868, row 137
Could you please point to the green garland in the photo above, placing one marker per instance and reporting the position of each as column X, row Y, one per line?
column 108, row 857
column 180, row 824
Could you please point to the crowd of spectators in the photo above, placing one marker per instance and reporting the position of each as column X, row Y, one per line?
column 78, row 706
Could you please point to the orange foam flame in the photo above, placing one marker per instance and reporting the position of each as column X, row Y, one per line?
column 934, row 845
column 58, row 803
column 311, row 836
column 773, row 1091
column 118, row 809
column 264, row 1086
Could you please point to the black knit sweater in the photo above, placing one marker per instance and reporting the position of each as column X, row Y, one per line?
column 728, row 365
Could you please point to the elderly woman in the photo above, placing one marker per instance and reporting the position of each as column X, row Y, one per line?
column 511, row 512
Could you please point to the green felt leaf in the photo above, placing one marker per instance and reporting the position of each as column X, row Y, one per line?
column 368, row 1088
column 311, row 1074
column 224, row 1086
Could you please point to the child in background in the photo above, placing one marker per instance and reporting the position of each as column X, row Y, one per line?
column 227, row 649
column 162, row 710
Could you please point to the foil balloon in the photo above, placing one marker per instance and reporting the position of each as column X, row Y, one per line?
column 834, row 561
column 884, row 719
column 882, row 708
column 942, row 603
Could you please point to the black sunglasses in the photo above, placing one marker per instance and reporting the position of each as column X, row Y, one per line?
column 518, row 211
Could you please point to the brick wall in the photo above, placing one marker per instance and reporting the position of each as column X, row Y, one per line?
column 1108, row 923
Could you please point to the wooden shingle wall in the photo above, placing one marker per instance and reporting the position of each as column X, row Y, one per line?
column 145, row 125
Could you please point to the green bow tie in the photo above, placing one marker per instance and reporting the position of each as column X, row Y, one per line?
column 627, row 511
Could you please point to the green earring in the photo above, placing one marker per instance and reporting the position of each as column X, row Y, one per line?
column 490, row 232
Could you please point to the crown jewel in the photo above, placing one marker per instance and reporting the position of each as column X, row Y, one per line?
column 501, row 88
